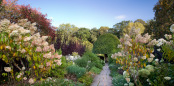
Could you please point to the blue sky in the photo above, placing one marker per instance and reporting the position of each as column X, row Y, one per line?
column 93, row 13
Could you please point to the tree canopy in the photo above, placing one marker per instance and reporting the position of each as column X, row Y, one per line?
column 164, row 18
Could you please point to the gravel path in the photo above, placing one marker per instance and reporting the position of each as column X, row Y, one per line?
column 103, row 79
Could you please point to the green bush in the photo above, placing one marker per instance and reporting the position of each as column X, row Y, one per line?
column 59, row 71
column 76, row 70
column 81, row 62
column 93, row 60
column 118, row 80
column 106, row 44
column 95, row 70
column 87, row 79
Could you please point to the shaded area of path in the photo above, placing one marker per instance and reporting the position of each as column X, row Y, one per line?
column 103, row 79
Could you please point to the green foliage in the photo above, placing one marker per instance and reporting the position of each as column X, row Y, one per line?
column 57, row 82
column 88, row 45
column 164, row 17
column 168, row 53
column 87, row 79
column 118, row 28
column 81, row 62
column 76, row 70
column 118, row 80
column 83, row 34
column 140, row 21
column 93, row 59
column 102, row 30
column 59, row 71
column 136, row 25
column 89, row 60
column 106, row 44
column 95, row 70
column 66, row 31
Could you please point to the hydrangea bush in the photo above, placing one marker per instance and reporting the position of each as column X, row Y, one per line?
column 20, row 41
column 136, row 53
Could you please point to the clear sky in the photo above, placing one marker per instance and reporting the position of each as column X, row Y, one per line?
column 93, row 13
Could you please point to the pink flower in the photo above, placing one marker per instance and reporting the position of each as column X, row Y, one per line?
column 48, row 55
column 38, row 49
column 46, row 48
column 48, row 64
column 31, row 81
column 52, row 48
column 128, row 43
column 57, row 56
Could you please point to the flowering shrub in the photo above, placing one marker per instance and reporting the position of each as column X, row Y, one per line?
column 19, row 41
column 136, row 53
column 168, row 46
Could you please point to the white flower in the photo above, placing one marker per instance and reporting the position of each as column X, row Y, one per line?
column 167, row 78
column 125, row 84
column 23, row 51
column 156, row 60
column 158, row 50
column 44, row 37
column 27, row 38
column 168, row 37
column 31, row 81
column 23, row 68
column 14, row 33
column 119, row 46
column 151, row 55
column 128, row 43
column 135, row 59
column 45, row 43
column 150, row 59
column 40, row 66
column 143, row 57
column 125, row 74
column 147, row 80
column 5, row 22
column 149, row 83
column 8, row 47
column 7, row 69
column 128, row 80
column 18, row 76
column 159, row 44
column 172, row 28
column 131, row 84
column 25, row 78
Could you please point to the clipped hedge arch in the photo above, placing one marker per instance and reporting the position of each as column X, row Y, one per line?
column 106, row 44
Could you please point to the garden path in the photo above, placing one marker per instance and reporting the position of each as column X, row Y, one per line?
column 103, row 79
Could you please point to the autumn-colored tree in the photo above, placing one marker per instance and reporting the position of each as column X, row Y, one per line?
column 8, row 10
column 14, row 12
column 164, row 17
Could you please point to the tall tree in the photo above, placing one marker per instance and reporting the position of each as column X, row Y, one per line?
column 118, row 28
column 66, row 31
column 164, row 16
column 103, row 30
column 83, row 34
column 140, row 21
column 135, row 25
